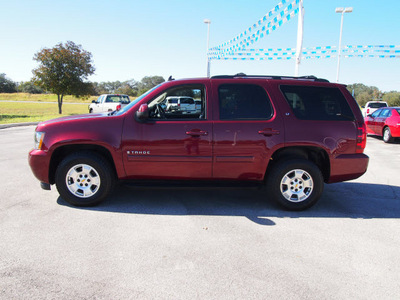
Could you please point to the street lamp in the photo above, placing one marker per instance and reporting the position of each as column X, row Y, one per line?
column 208, row 22
column 342, row 11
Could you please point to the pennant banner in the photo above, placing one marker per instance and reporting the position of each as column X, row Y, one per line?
column 274, row 19
column 370, row 51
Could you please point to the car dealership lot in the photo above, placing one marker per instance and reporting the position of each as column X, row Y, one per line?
column 199, row 243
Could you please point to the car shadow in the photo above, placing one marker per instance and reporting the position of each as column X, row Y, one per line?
column 341, row 200
column 376, row 137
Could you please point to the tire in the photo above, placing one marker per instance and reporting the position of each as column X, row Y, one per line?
column 387, row 135
column 90, row 111
column 295, row 184
column 84, row 179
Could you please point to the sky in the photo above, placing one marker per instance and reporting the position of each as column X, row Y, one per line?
column 130, row 39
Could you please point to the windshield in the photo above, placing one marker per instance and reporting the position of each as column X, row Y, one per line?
column 128, row 107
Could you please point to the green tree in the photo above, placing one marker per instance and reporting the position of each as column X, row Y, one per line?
column 363, row 93
column 29, row 87
column 63, row 70
column 392, row 98
column 148, row 82
column 7, row 85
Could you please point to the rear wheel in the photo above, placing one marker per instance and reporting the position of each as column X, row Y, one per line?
column 84, row 179
column 295, row 184
column 387, row 135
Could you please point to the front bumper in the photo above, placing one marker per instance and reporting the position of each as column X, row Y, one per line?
column 39, row 161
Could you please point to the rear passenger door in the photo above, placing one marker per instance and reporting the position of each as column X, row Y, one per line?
column 380, row 121
column 247, row 129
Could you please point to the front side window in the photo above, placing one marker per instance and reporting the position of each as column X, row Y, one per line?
column 317, row 103
column 179, row 103
column 376, row 113
column 243, row 102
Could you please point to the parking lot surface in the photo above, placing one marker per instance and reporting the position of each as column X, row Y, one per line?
column 155, row 243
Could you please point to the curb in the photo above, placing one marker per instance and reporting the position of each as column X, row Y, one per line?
column 4, row 126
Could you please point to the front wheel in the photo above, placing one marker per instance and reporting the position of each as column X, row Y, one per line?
column 84, row 179
column 387, row 135
column 295, row 184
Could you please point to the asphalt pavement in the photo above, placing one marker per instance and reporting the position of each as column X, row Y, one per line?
column 147, row 243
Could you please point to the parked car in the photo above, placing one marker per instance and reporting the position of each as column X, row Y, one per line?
column 290, row 134
column 372, row 106
column 109, row 102
column 181, row 105
column 384, row 122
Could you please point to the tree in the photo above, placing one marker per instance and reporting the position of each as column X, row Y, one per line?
column 392, row 98
column 63, row 70
column 7, row 85
column 148, row 82
column 29, row 87
column 363, row 93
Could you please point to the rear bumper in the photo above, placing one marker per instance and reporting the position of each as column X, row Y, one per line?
column 347, row 167
column 39, row 163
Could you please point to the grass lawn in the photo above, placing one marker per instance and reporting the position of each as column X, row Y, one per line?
column 19, row 112
column 43, row 98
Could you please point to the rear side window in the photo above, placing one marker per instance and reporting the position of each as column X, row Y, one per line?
column 385, row 113
column 317, row 103
column 243, row 102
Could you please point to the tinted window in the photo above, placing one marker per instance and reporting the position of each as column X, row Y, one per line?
column 187, row 100
column 385, row 113
column 317, row 103
column 377, row 105
column 243, row 102
column 118, row 99
column 376, row 113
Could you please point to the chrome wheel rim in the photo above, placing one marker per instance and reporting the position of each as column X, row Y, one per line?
column 83, row 181
column 297, row 185
column 386, row 134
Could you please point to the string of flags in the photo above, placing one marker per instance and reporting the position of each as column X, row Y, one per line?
column 237, row 48
column 350, row 51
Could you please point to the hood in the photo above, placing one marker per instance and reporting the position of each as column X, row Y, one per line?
column 72, row 121
column 72, row 118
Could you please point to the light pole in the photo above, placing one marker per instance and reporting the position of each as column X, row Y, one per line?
column 208, row 22
column 342, row 11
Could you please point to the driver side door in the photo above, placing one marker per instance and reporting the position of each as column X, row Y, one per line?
column 167, row 145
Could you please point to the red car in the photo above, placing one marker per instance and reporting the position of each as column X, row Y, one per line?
column 384, row 122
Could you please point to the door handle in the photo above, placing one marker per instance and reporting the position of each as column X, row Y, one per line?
column 268, row 132
column 196, row 132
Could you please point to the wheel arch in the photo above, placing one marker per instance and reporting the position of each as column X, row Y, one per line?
column 316, row 155
column 61, row 152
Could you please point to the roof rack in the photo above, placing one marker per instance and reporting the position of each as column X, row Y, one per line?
column 242, row 75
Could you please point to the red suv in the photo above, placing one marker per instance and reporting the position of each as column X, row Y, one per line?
column 290, row 134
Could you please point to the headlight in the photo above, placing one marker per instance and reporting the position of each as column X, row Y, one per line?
column 39, row 136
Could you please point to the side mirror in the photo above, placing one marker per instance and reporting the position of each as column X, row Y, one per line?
column 94, row 101
column 142, row 114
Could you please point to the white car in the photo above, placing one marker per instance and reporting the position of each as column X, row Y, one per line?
column 181, row 104
column 372, row 106
column 108, row 102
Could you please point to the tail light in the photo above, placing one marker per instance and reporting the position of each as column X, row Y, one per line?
column 367, row 111
column 361, row 141
column 118, row 106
